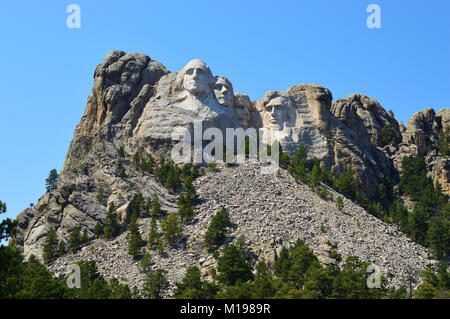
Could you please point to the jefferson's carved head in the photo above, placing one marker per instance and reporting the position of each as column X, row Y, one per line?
column 196, row 77
column 223, row 91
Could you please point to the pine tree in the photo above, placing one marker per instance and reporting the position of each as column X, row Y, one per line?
column 264, row 285
column 172, row 180
column 84, row 237
column 283, row 264
column 153, row 233
column 160, row 247
column 74, row 240
column 156, row 285
column 136, row 204
column 187, row 199
column 156, row 207
column 62, row 248
column 233, row 266
column 195, row 172
column 100, row 195
column 121, row 169
column 346, row 184
column 302, row 260
column 315, row 174
column 192, row 287
column 136, row 159
column 111, row 227
column 438, row 237
column 121, row 152
column 172, row 229
column 339, row 202
column 299, row 163
column 98, row 230
column 50, row 246
column 135, row 241
column 186, row 170
column 443, row 143
column 216, row 231
column 52, row 181
column 185, row 207
column 387, row 134
column 417, row 225
column 146, row 263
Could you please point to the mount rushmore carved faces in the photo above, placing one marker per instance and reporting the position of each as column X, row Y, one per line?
column 223, row 91
column 197, row 77
column 242, row 108
column 276, row 112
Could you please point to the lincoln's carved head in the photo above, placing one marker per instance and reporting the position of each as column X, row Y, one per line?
column 275, row 111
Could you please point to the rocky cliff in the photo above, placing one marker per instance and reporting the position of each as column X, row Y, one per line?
column 136, row 104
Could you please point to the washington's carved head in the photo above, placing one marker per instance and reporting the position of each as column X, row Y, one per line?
column 223, row 91
column 196, row 77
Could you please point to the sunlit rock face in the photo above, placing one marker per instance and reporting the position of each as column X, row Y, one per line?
column 287, row 117
column 243, row 108
column 223, row 91
column 184, row 97
column 366, row 117
column 240, row 103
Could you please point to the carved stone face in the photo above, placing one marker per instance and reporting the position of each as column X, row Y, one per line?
column 197, row 77
column 242, row 107
column 276, row 113
column 223, row 92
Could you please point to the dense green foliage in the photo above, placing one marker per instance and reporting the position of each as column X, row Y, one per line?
column 187, row 200
column 428, row 223
column 168, row 175
column 192, row 287
column 297, row 274
column 443, row 143
column 215, row 234
column 155, row 285
column 152, row 234
column 50, row 246
column 146, row 263
column 435, row 285
column 74, row 240
column 31, row 280
column 233, row 266
column 172, row 229
column 387, row 134
column 135, row 241
column 111, row 227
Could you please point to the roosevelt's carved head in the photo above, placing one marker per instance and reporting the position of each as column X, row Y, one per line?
column 223, row 91
column 196, row 77
column 242, row 108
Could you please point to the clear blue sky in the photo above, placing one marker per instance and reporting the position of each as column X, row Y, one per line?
column 47, row 68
